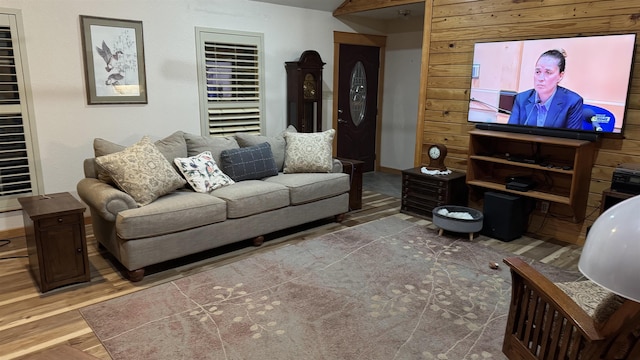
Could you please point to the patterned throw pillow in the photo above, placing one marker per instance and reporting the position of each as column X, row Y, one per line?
column 248, row 163
column 142, row 171
column 202, row 173
column 308, row 152
column 171, row 147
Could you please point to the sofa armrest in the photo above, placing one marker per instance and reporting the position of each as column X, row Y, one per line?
column 104, row 198
column 337, row 166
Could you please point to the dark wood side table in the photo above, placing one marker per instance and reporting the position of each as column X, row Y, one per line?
column 56, row 241
column 421, row 193
column 612, row 197
column 354, row 168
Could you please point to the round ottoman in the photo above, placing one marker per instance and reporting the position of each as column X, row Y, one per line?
column 454, row 224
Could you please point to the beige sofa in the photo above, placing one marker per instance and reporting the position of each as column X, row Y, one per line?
column 183, row 221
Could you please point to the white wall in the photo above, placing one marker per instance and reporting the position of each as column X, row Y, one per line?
column 400, row 104
column 66, row 125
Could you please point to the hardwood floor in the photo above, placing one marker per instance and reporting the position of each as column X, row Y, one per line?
column 31, row 322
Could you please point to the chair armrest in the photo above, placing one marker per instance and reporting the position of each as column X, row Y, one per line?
column 522, row 272
column 105, row 199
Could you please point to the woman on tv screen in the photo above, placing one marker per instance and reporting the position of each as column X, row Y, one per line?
column 548, row 104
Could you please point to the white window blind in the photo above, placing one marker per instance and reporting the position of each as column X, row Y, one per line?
column 18, row 176
column 230, row 78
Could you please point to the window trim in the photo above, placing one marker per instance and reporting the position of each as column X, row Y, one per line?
column 10, row 202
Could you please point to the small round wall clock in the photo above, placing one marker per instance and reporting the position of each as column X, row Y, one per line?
column 437, row 153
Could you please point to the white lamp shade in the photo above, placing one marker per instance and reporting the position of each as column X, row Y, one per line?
column 611, row 254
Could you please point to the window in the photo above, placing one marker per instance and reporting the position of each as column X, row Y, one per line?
column 230, row 79
column 18, row 171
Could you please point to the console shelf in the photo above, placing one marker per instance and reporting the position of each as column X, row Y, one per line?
column 560, row 168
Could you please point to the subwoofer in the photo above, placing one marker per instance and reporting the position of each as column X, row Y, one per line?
column 505, row 216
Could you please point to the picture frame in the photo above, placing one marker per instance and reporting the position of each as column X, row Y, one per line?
column 113, row 53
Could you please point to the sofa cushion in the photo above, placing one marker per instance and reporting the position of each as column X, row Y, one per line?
column 250, row 197
column 308, row 152
column 171, row 147
column 595, row 300
column 305, row 187
column 197, row 144
column 249, row 163
column 180, row 210
column 277, row 143
column 202, row 173
column 141, row 171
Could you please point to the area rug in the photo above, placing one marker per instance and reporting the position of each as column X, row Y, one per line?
column 387, row 289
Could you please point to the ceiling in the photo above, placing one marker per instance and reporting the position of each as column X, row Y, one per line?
column 324, row 5
column 388, row 13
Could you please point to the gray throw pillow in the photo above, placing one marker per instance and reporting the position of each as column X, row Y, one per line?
column 277, row 145
column 197, row 144
column 249, row 163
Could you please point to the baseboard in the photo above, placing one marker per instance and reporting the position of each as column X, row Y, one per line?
column 389, row 170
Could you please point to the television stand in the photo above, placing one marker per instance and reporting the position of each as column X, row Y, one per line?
column 566, row 183
column 565, row 134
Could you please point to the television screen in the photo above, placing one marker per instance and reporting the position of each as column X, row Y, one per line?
column 572, row 85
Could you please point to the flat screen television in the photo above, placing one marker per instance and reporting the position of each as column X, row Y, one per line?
column 511, row 81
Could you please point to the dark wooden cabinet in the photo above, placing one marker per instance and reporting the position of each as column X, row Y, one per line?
column 304, row 92
column 612, row 197
column 56, row 241
column 421, row 193
column 354, row 168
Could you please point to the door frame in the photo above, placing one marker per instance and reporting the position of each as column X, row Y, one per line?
column 346, row 38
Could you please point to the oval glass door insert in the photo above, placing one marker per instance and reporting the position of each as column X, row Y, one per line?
column 358, row 93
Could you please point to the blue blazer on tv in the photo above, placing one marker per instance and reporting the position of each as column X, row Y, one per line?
column 565, row 110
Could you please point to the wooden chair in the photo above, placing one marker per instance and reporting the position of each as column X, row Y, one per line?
column 546, row 323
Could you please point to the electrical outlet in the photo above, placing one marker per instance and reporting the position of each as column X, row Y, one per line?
column 544, row 207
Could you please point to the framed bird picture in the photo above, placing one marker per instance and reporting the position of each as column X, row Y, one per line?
column 113, row 61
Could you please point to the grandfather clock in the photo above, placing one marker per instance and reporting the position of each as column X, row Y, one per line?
column 304, row 92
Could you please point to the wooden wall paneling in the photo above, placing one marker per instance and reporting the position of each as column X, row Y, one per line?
column 424, row 77
column 454, row 26
column 457, row 8
column 450, row 94
column 524, row 30
column 614, row 158
column 447, row 125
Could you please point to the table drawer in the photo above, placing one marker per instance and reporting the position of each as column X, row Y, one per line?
column 59, row 220
column 425, row 192
column 422, row 181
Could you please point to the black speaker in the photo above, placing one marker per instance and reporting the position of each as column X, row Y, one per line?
column 505, row 216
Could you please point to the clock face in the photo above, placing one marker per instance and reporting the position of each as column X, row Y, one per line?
column 434, row 152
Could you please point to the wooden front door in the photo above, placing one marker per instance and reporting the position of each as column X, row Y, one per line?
column 358, row 69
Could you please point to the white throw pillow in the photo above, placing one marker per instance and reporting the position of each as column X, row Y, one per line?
column 202, row 172
column 141, row 171
column 308, row 152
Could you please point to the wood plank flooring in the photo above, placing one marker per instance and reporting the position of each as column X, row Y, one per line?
column 31, row 322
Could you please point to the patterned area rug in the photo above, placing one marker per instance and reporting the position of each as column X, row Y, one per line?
column 387, row 289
